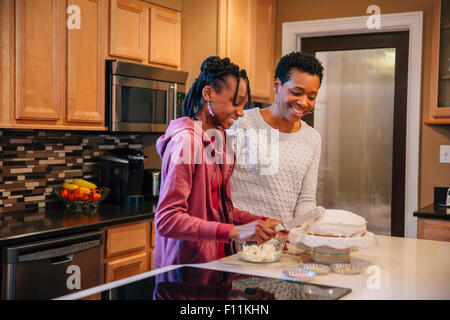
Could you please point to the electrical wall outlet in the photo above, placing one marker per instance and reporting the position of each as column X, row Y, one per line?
column 445, row 154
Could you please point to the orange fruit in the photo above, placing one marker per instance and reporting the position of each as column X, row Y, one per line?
column 96, row 196
column 64, row 193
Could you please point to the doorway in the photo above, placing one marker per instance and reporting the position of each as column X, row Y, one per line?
column 361, row 113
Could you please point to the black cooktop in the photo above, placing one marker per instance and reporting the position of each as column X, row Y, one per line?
column 189, row 283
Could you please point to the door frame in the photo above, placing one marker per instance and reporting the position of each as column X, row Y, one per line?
column 292, row 34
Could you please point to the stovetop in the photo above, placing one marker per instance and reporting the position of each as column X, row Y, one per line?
column 189, row 283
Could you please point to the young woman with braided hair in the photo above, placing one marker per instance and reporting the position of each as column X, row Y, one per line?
column 195, row 219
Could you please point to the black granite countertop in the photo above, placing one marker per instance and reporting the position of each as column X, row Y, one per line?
column 21, row 226
column 433, row 213
column 197, row 282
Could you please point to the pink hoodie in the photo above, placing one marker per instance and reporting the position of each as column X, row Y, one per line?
column 188, row 228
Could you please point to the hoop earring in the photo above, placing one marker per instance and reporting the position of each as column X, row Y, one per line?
column 209, row 109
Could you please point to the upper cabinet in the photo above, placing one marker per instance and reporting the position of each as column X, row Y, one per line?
column 247, row 37
column 40, row 59
column 440, row 65
column 86, row 64
column 165, row 34
column 52, row 56
column 129, row 29
column 55, row 63
column 262, row 49
column 145, row 33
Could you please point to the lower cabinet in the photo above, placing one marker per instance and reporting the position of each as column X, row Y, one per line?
column 151, row 256
column 152, row 245
column 433, row 229
column 126, row 267
column 128, row 250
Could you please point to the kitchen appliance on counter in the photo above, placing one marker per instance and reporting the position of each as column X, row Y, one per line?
column 141, row 98
column 441, row 197
column 50, row 268
column 122, row 170
column 152, row 183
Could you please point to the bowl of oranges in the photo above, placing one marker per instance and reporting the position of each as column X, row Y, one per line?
column 81, row 195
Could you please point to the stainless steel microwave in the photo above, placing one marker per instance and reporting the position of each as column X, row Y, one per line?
column 141, row 98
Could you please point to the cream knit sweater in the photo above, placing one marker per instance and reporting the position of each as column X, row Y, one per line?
column 276, row 173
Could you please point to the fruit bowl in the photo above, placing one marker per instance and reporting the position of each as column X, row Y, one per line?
column 81, row 204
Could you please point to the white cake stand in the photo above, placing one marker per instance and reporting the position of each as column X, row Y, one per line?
column 330, row 250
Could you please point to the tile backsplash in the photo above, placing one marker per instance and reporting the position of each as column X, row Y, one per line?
column 33, row 162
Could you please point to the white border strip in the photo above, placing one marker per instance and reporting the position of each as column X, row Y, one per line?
column 292, row 34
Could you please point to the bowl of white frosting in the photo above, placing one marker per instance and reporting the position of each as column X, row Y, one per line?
column 267, row 252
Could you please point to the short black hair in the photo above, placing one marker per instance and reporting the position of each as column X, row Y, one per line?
column 301, row 61
column 213, row 71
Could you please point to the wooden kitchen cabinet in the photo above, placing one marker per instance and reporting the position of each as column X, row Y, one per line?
column 129, row 29
column 40, row 59
column 128, row 250
column 247, row 37
column 121, row 240
column 165, row 35
column 433, row 229
column 152, row 245
column 145, row 33
column 86, row 64
column 54, row 74
column 262, row 51
column 126, row 267
column 440, row 65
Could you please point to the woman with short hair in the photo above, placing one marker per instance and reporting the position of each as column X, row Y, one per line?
column 278, row 154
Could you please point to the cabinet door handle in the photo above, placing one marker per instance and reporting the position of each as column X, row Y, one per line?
column 62, row 259
column 175, row 89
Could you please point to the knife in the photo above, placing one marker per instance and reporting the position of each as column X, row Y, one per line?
column 298, row 221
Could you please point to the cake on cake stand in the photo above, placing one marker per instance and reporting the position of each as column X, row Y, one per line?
column 331, row 249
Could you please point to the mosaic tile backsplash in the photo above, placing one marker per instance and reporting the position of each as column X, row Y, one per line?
column 33, row 162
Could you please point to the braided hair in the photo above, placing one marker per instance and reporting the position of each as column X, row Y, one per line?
column 212, row 73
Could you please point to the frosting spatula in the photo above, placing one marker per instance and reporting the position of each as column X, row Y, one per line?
column 298, row 221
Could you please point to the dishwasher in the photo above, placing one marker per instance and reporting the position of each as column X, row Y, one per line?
column 52, row 268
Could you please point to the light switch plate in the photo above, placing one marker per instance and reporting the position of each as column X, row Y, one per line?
column 445, row 154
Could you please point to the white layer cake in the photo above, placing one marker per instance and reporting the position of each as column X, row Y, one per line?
column 334, row 222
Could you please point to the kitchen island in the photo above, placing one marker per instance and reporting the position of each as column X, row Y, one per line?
column 393, row 268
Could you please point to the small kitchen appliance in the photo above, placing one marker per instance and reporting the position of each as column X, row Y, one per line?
column 122, row 170
column 152, row 183
column 441, row 197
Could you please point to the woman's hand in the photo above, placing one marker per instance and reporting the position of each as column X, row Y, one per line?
column 258, row 230
column 283, row 234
